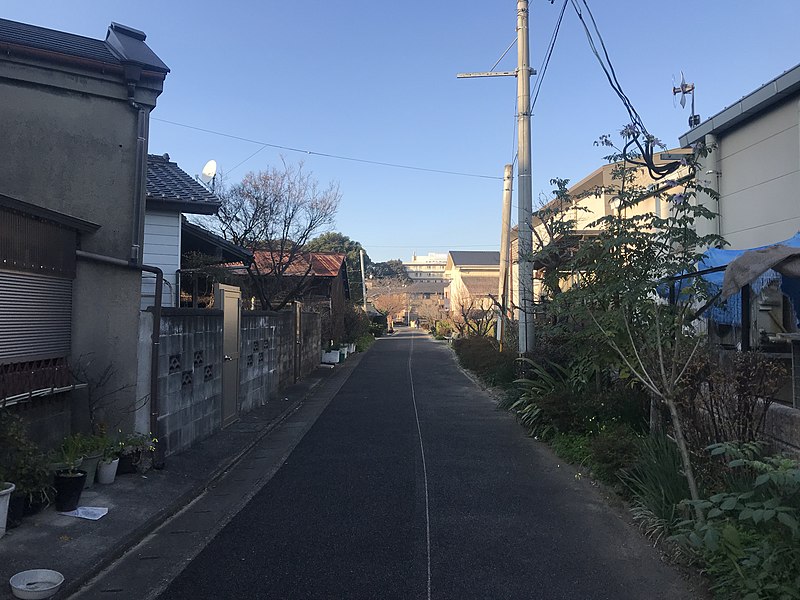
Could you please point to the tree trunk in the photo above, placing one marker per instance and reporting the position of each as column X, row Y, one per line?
column 685, row 457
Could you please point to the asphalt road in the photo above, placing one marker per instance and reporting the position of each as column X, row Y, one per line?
column 412, row 485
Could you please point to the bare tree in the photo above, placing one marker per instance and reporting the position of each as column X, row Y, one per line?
column 392, row 303
column 276, row 213
column 475, row 317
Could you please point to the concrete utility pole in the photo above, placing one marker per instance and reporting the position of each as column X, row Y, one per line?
column 363, row 281
column 524, row 185
column 524, row 195
column 505, row 251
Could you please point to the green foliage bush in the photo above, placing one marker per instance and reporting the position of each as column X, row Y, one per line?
column 22, row 462
column 750, row 540
column 612, row 449
column 356, row 323
column 572, row 447
column 364, row 342
column 482, row 356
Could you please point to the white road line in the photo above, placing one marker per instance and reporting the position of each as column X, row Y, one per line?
column 424, row 467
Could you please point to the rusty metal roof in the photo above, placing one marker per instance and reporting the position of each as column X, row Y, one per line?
column 323, row 264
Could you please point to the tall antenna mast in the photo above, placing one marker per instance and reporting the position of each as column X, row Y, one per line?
column 524, row 185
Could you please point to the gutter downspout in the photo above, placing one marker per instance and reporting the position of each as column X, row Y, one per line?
column 132, row 76
column 158, row 459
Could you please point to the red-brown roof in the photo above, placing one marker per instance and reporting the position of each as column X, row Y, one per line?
column 323, row 264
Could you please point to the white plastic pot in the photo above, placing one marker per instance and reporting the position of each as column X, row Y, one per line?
column 5, row 495
column 107, row 471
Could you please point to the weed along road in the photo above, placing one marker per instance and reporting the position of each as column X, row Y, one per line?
column 411, row 484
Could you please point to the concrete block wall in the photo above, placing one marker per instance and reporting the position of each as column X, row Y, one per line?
column 190, row 367
column 311, row 347
column 258, row 360
column 782, row 426
column 189, row 376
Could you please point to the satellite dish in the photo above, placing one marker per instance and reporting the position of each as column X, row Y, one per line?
column 209, row 171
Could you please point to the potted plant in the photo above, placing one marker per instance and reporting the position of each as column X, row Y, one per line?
column 92, row 448
column 136, row 453
column 70, row 480
column 107, row 467
column 22, row 463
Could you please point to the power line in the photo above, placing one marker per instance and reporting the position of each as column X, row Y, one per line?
column 636, row 129
column 323, row 154
column 548, row 54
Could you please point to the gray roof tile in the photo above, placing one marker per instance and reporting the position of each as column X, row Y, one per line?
column 167, row 182
column 475, row 257
column 131, row 49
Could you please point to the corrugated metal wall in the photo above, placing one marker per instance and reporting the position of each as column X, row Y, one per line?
column 35, row 316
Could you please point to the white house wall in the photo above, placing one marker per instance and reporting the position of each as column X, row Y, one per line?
column 759, row 164
column 162, row 248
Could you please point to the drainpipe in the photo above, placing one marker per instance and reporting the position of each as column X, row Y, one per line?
column 132, row 75
column 158, row 459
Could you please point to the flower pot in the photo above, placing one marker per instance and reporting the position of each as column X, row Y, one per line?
column 128, row 462
column 107, row 471
column 89, row 465
column 16, row 510
column 5, row 495
column 69, row 485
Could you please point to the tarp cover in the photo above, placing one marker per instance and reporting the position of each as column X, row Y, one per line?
column 730, row 311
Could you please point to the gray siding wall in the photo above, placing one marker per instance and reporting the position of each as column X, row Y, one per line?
column 162, row 249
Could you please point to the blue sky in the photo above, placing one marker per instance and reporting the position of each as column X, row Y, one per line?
column 376, row 81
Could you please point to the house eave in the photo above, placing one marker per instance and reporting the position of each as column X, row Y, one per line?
column 182, row 206
column 79, row 225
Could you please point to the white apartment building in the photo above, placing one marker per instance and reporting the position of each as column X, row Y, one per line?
column 428, row 268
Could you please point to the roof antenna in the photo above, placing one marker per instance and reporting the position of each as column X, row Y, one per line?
column 683, row 89
column 209, row 174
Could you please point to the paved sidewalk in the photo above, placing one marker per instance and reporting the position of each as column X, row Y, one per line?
column 138, row 504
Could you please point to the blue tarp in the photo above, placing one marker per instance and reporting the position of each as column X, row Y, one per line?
column 730, row 311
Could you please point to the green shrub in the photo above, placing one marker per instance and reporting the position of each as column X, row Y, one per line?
column 750, row 540
column 572, row 447
column 364, row 342
column 614, row 448
column 356, row 324
column 444, row 328
column 482, row 356
column 656, row 485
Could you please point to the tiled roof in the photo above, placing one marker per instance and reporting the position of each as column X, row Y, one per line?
column 122, row 45
column 167, row 183
column 475, row 258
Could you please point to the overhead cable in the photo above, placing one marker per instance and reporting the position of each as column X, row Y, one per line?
column 325, row 154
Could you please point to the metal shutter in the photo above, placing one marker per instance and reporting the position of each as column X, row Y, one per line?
column 35, row 316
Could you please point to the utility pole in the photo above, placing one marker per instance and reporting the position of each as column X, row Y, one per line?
column 524, row 185
column 502, row 290
column 363, row 280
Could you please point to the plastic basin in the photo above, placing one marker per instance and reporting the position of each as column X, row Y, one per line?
column 36, row 583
